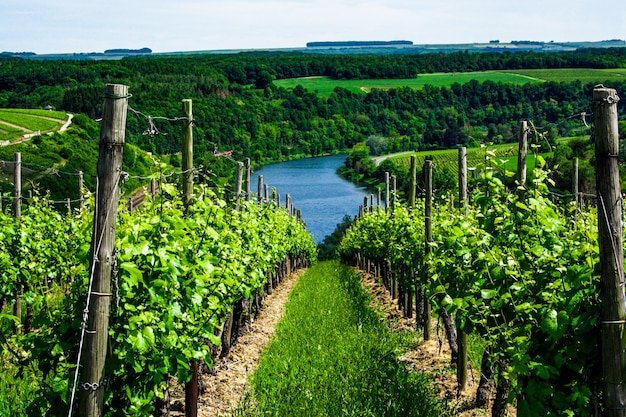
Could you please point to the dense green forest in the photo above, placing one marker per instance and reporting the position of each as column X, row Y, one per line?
column 236, row 106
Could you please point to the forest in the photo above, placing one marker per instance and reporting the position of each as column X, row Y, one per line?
column 238, row 108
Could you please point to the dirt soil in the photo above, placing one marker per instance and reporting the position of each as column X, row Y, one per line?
column 226, row 387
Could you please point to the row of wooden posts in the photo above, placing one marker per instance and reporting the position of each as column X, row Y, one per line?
column 610, row 240
column 94, row 333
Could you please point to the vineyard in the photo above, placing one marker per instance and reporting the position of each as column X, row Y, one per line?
column 188, row 269
column 524, row 274
column 105, row 308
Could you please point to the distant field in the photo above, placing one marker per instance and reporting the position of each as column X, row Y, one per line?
column 572, row 74
column 15, row 123
column 326, row 85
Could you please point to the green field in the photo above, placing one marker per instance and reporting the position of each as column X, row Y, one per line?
column 325, row 85
column 584, row 75
column 15, row 123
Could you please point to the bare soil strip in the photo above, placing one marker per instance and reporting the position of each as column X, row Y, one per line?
column 226, row 387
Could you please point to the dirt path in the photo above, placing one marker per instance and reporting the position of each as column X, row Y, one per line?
column 378, row 159
column 226, row 387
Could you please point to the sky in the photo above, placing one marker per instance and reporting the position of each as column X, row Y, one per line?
column 64, row 26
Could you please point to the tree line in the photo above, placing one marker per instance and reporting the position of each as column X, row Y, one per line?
column 238, row 108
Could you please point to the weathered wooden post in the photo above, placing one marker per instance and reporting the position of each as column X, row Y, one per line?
column 413, row 181
column 95, row 330
column 260, row 190
column 575, row 184
column 461, row 370
column 266, row 192
column 387, row 191
column 248, row 172
column 521, row 158
column 153, row 187
column 428, row 224
column 191, row 387
column 394, row 192
column 17, row 185
column 17, row 213
column 81, row 193
column 187, row 157
column 610, row 231
column 238, row 181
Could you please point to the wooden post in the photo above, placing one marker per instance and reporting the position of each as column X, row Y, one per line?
column 610, row 231
column 260, row 190
column 266, row 193
column 521, row 158
column 575, row 184
column 17, row 213
column 365, row 209
column 428, row 224
column 81, row 186
column 191, row 387
column 288, row 203
column 371, row 203
column 248, row 172
column 191, row 392
column 109, row 168
column 378, row 197
column 17, row 185
column 238, row 180
column 153, row 187
column 463, row 177
column 461, row 369
column 386, row 191
column 69, row 206
column 187, row 157
column 394, row 191
column 413, row 181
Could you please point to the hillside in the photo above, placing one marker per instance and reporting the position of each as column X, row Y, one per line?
column 18, row 125
column 51, row 161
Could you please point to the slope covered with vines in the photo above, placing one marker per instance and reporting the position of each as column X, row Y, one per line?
column 178, row 275
column 518, row 272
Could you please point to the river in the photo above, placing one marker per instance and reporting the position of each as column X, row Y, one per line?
column 315, row 188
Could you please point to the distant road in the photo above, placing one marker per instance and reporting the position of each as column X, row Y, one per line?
column 377, row 160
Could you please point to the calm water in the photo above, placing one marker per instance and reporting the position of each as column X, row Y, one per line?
column 323, row 197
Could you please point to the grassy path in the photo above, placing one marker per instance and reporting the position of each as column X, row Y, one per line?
column 332, row 356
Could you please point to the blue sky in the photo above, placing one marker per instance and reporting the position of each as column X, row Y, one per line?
column 168, row 25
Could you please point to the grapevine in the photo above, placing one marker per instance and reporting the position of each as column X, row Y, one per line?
column 518, row 273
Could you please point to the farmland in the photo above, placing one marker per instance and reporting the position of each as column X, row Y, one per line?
column 446, row 159
column 15, row 123
column 325, row 85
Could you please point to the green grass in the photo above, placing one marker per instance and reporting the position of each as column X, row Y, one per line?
column 15, row 123
column 325, row 85
column 585, row 75
column 59, row 115
column 332, row 356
